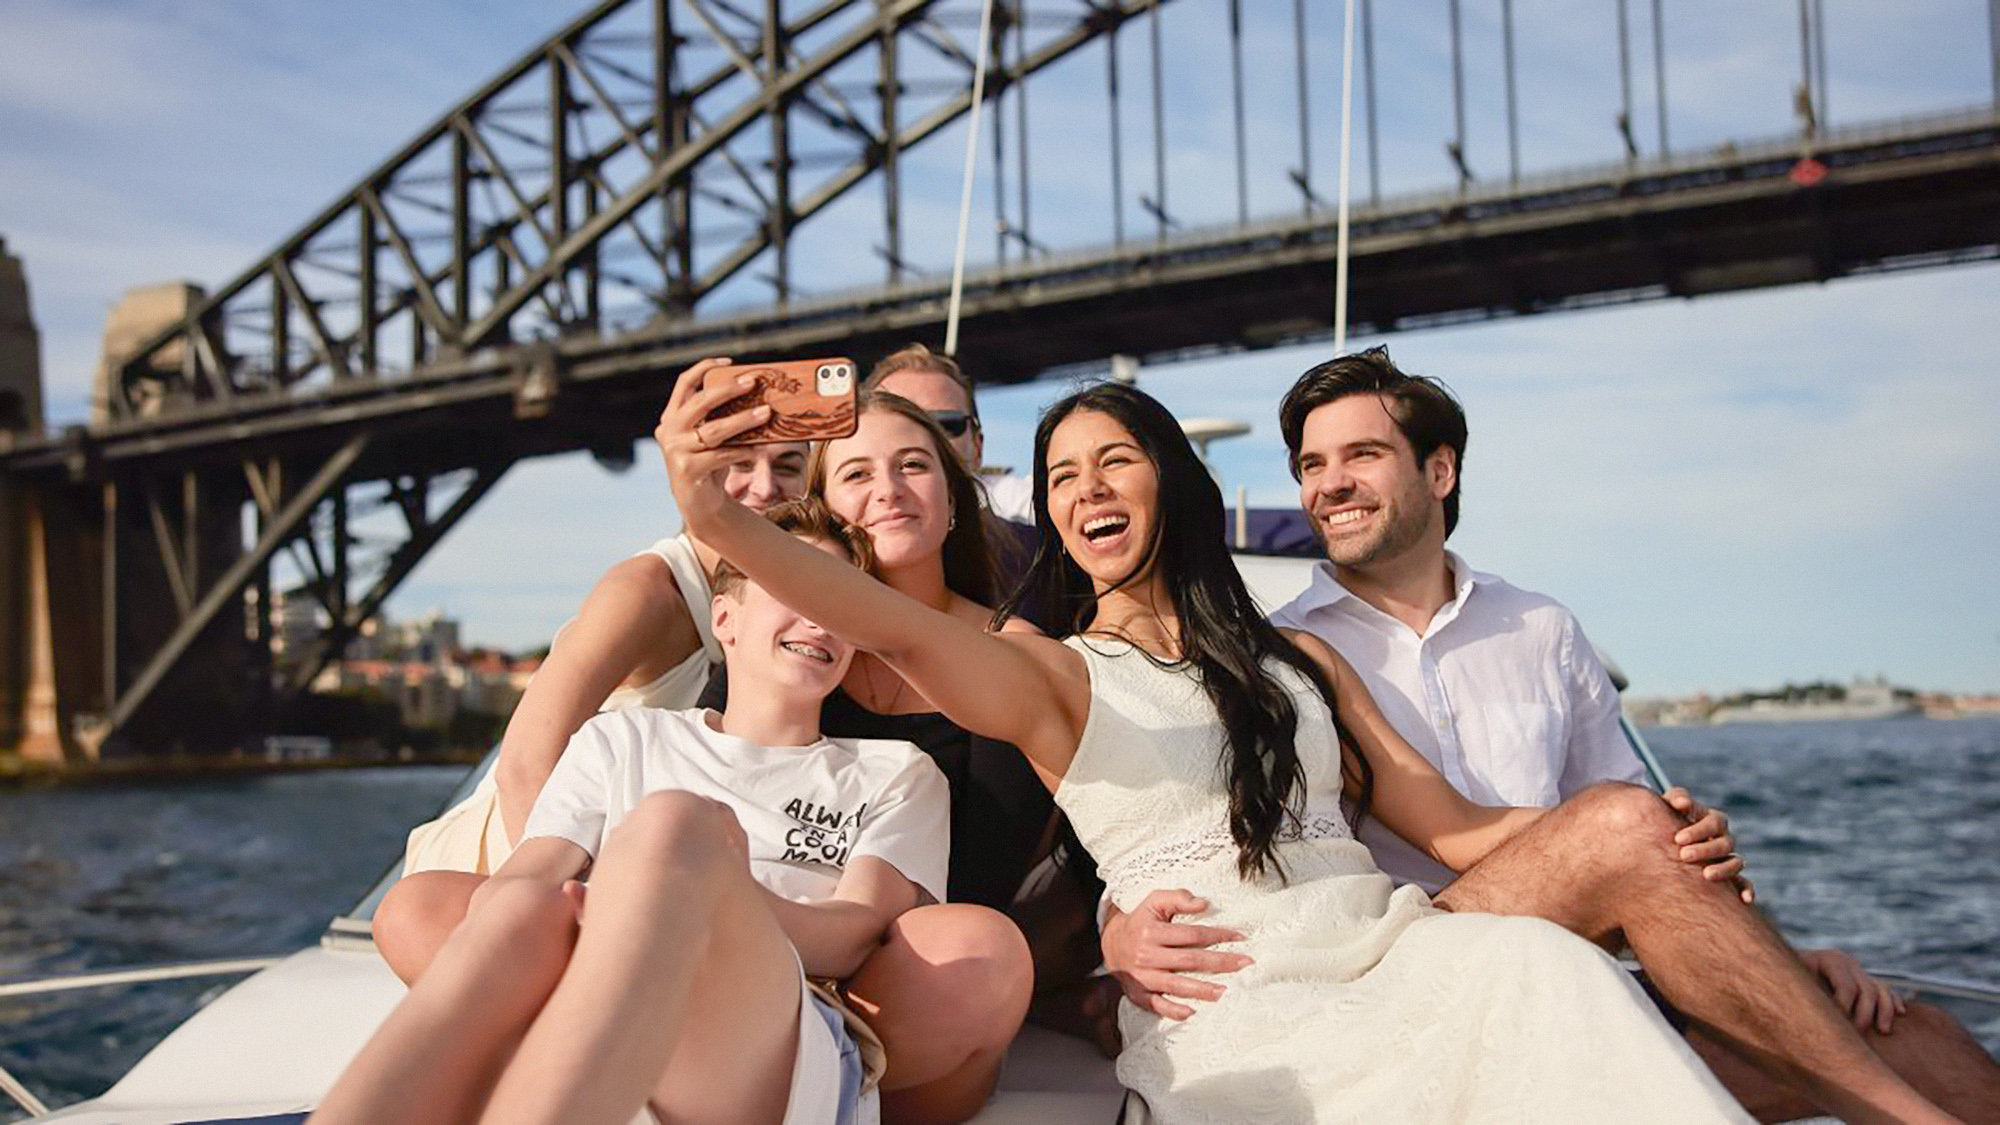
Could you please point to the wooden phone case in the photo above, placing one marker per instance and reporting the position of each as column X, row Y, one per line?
column 798, row 411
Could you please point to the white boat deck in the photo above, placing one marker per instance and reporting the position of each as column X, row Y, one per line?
column 275, row 1043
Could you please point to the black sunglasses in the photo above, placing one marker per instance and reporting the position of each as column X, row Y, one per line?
column 953, row 422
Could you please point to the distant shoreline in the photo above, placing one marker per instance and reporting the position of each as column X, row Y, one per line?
column 1818, row 720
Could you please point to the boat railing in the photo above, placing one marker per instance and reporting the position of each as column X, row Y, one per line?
column 145, row 974
column 22, row 1096
column 1924, row 984
column 1645, row 754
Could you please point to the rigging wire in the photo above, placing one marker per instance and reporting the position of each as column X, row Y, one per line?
column 965, row 193
column 1346, row 161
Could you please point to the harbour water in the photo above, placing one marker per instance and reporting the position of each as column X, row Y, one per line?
column 104, row 876
column 1881, row 838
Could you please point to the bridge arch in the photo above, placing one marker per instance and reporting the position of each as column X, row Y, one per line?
column 651, row 183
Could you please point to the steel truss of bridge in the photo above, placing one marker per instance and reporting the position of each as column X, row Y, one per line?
column 1876, row 199
column 485, row 258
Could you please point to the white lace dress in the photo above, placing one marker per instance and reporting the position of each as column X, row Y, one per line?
column 1365, row 1003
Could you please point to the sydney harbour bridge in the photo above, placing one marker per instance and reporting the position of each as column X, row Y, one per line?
column 665, row 179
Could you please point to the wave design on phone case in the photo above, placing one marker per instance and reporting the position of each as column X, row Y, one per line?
column 809, row 424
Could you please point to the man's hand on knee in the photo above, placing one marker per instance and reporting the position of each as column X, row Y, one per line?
column 1867, row 1001
column 1707, row 841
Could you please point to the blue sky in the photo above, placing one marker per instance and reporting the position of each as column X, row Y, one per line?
column 1731, row 492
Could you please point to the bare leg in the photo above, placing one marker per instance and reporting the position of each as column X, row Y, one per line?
column 946, row 993
column 418, row 914
column 1086, row 1010
column 1928, row 1048
column 676, row 934
column 1604, row 865
column 1059, row 921
column 439, row 1053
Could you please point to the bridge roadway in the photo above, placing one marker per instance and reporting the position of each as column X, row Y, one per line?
column 1897, row 195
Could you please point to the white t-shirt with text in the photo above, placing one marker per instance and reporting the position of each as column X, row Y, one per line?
column 808, row 811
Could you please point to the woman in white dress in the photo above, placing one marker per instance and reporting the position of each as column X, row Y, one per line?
column 1194, row 745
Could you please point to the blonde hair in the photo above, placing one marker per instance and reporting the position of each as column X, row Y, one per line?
column 917, row 357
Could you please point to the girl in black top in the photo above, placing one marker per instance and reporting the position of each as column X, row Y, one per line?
column 950, row 987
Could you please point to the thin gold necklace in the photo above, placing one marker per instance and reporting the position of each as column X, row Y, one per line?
column 875, row 687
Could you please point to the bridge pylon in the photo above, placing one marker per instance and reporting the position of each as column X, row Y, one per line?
column 20, row 415
column 100, row 567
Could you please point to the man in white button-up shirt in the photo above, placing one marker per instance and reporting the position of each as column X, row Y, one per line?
column 1499, row 689
column 1496, row 685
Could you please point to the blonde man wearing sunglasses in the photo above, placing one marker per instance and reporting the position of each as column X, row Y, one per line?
column 934, row 381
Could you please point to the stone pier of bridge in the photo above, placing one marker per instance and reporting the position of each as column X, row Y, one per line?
column 93, row 571
column 28, row 722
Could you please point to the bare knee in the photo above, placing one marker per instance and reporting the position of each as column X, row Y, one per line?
column 1619, row 806
column 1934, row 1052
column 956, row 976
column 417, row 915
column 1629, row 820
column 676, row 830
column 1928, row 1020
column 980, row 950
column 1924, row 1029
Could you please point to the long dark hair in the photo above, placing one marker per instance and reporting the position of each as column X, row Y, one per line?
column 968, row 560
column 1223, row 635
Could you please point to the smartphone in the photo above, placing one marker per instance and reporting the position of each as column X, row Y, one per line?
column 810, row 399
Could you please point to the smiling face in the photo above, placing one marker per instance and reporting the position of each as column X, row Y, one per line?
column 1103, row 497
column 766, row 475
column 769, row 646
column 1369, row 499
column 887, row 480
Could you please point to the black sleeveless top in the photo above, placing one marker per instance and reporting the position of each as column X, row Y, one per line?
column 1001, row 814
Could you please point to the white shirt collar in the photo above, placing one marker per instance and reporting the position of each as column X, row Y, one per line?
column 1325, row 590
